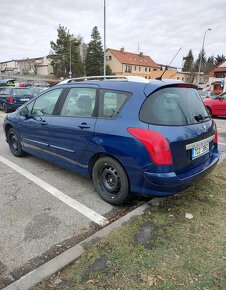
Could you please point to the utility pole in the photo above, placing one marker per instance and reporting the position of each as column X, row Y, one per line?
column 104, row 38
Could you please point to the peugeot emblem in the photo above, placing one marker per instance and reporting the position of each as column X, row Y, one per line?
column 204, row 128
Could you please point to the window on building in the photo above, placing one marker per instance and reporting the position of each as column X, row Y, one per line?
column 128, row 68
column 139, row 68
column 135, row 68
column 149, row 69
column 108, row 57
column 146, row 69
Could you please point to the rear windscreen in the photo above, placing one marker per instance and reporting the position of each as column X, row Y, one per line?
column 20, row 92
column 173, row 106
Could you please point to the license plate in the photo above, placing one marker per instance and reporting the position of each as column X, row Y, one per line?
column 199, row 148
column 24, row 100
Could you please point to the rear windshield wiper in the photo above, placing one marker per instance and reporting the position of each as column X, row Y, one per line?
column 199, row 117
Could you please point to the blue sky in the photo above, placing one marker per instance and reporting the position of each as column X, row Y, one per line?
column 160, row 27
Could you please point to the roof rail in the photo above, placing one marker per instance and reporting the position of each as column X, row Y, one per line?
column 112, row 77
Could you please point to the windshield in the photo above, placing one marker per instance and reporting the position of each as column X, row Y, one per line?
column 173, row 106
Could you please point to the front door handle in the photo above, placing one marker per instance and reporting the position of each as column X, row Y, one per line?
column 84, row 126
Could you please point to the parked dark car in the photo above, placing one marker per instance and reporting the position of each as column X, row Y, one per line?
column 216, row 105
column 150, row 138
column 12, row 98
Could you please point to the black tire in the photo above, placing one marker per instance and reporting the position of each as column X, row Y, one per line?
column 5, row 108
column 14, row 143
column 110, row 180
column 209, row 111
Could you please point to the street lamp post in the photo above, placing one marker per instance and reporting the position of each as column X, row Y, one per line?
column 70, row 72
column 200, row 62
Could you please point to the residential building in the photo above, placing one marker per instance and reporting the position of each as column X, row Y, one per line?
column 38, row 65
column 123, row 62
column 217, row 78
column 192, row 77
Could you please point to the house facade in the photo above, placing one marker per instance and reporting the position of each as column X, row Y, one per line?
column 122, row 62
column 217, row 78
column 127, row 63
column 39, row 65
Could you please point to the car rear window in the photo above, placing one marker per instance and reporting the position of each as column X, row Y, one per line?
column 20, row 92
column 173, row 106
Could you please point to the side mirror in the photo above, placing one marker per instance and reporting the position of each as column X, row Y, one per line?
column 24, row 112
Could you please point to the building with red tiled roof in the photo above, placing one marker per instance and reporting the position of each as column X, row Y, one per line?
column 217, row 78
column 123, row 62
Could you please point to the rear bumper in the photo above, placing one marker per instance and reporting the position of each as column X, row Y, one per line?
column 163, row 184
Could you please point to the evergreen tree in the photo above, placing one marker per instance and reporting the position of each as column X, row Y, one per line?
column 219, row 59
column 189, row 60
column 209, row 64
column 60, row 54
column 95, row 55
column 202, row 55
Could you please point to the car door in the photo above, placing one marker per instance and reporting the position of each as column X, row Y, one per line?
column 72, row 131
column 220, row 105
column 34, row 128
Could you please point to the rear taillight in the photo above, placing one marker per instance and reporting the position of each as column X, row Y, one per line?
column 216, row 138
column 11, row 100
column 156, row 145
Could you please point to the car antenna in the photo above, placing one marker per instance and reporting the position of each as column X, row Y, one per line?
column 160, row 78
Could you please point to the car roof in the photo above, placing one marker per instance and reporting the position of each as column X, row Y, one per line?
column 128, row 83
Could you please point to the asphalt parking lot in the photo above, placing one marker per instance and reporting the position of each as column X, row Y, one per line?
column 45, row 209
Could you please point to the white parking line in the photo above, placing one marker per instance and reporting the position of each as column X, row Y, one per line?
column 89, row 213
column 224, row 144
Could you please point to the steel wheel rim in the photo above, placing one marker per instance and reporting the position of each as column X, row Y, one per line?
column 14, row 143
column 110, row 180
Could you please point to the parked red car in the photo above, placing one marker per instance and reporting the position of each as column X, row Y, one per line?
column 216, row 105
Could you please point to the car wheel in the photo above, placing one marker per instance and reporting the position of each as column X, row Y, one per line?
column 110, row 180
column 14, row 143
column 5, row 108
column 209, row 111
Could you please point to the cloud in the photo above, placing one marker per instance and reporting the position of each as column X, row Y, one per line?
column 160, row 27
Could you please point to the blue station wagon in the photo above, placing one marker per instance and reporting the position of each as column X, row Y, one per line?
column 12, row 98
column 152, row 138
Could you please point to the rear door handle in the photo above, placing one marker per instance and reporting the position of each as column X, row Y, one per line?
column 84, row 126
column 44, row 123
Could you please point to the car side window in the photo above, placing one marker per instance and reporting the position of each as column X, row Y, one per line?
column 80, row 102
column 111, row 102
column 44, row 105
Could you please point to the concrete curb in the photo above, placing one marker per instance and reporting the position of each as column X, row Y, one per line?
column 32, row 278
